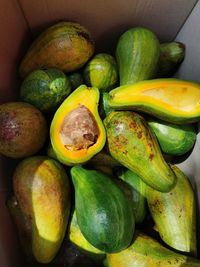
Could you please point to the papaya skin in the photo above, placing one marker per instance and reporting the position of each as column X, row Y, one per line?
column 65, row 46
column 133, row 144
column 42, row 190
column 147, row 252
column 174, row 214
column 173, row 100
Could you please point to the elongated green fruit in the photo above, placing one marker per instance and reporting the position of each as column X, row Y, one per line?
column 147, row 252
column 133, row 144
column 137, row 55
column 171, row 56
column 174, row 214
column 103, row 211
column 172, row 100
column 138, row 193
column 174, row 139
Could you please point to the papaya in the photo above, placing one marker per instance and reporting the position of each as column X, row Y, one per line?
column 23, row 129
column 77, row 132
column 42, row 191
column 174, row 214
column 133, row 144
column 103, row 159
column 78, row 239
column 137, row 54
column 103, row 210
column 171, row 56
column 147, row 252
column 101, row 71
column 137, row 192
column 174, row 139
column 45, row 89
column 172, row 100
column 65, row 45
column 76, row 79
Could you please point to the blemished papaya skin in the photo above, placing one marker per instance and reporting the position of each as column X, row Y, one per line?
column 174, row 214
column 147, row 252
column 65, row 45
column 173, row 100
column 42, row 191
column 86, row 99
column 133, row 144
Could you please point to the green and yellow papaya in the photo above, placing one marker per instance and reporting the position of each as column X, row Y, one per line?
column 172, row 100
column 147, row 252
column 133, row 144
column 42, row 191
column 174, row 214
column 137, row 55
column 66, row 46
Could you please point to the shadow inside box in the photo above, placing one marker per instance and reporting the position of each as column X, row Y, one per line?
column 68, row 256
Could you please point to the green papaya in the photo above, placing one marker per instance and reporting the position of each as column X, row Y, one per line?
column 103, row 211
column 174, row 139
column 137, row 55
column 45, row 89
column 133, row 144
column 174, row 214
column 171, row 56
column 42, row 191
column 138, row 192
column 147, row 252
column 75, row 79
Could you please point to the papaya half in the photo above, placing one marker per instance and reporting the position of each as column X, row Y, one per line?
column 173, row 100
column 77, row 132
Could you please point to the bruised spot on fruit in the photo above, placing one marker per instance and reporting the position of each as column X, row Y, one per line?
column 79, row 129
column 133, row 125
column 139, row 134
column 9, row 128
column 151, row 156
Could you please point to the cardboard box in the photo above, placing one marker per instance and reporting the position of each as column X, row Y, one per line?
column 22, row 20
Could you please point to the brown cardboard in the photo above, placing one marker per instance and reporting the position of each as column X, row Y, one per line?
column 106, row 20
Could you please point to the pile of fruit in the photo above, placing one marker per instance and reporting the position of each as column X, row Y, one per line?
column 97, row 136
